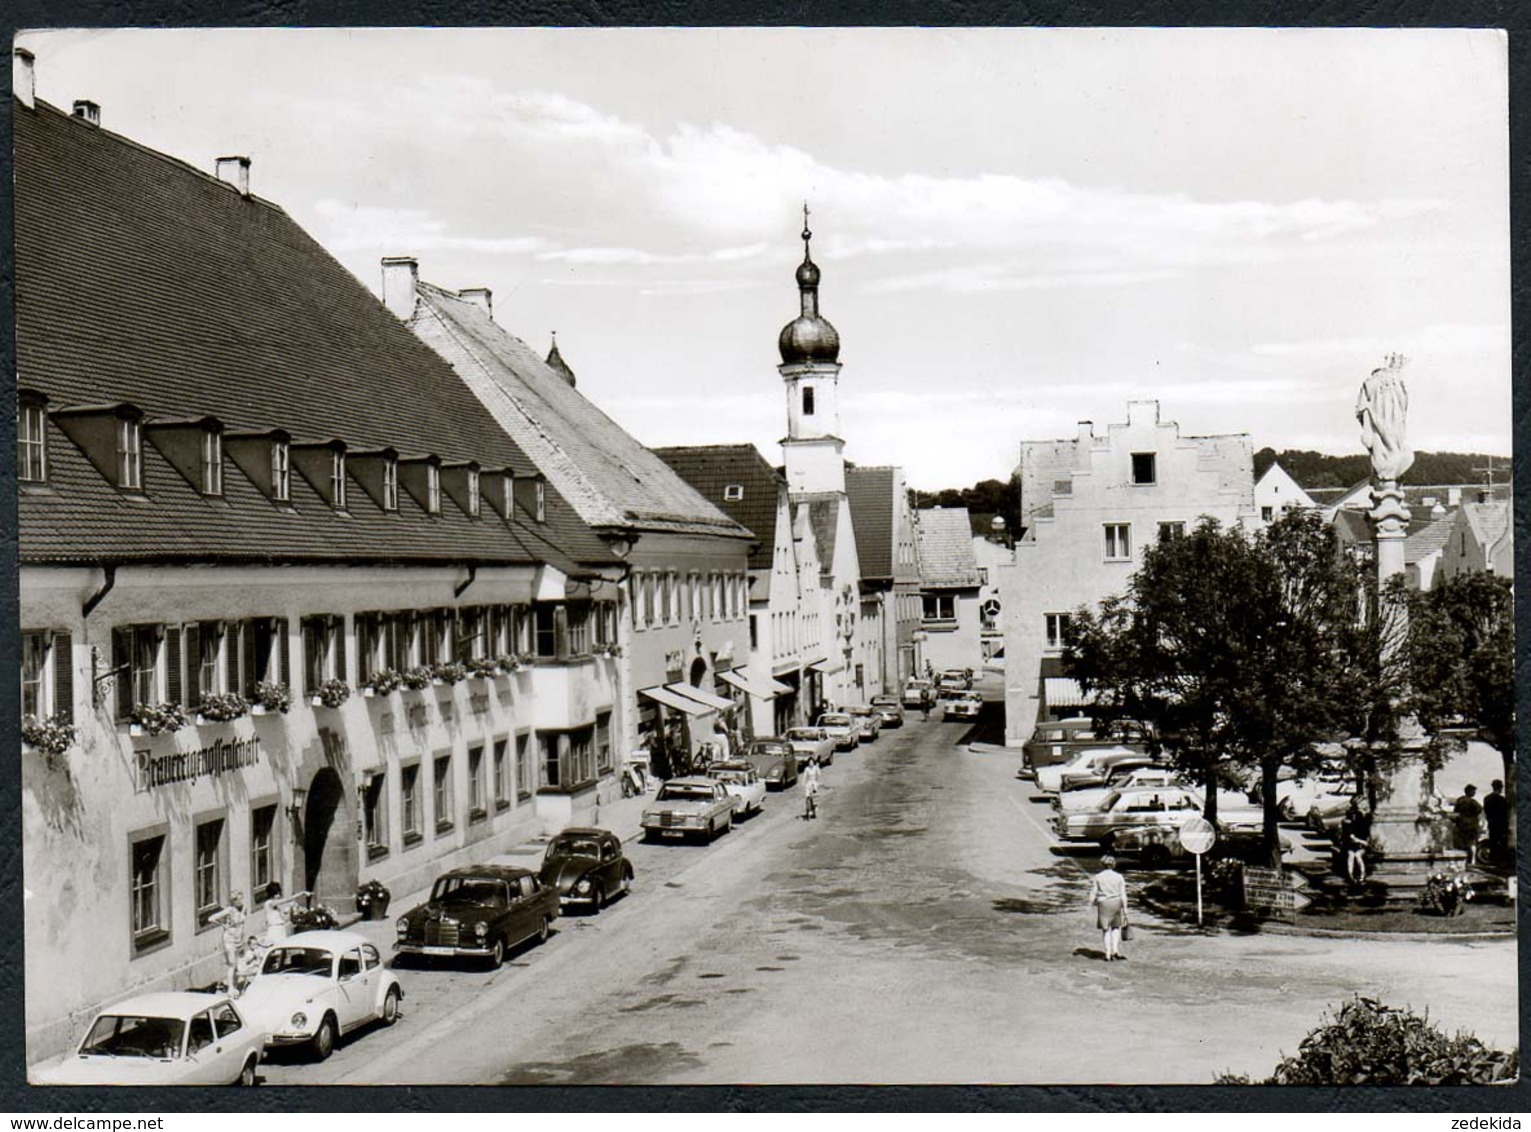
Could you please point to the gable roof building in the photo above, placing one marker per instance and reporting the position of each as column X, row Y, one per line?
column 950, row 616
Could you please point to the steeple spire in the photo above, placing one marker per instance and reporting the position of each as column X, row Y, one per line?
column 809, row 337
column 808, row 273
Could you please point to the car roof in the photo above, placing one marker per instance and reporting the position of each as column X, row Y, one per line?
column 885, row 698
column 167, row 1004
column 731, row 764
column 582, row 831
column 331, row 938
column 497, row 872
column 691, row 780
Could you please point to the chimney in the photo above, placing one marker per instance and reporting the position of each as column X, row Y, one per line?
column 479, row 297
column 400, row 274
column 24, row 77
column 235, row 172
column 88, row 110
column 1453, row 496
column 1086, row 431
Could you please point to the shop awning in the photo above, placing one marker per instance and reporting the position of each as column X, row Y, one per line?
column 761, row 689
column 1062, row 691
column 671, row 700
column 826, row 666
column 708, row 701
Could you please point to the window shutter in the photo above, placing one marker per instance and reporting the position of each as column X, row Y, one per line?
column 122, row 663
column 338, row 641
column 283, row 658
column 247, row 674
column 193, row 666
column 63, row 677
column 173, row 664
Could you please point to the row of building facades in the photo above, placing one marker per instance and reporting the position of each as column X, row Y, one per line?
column 319, row 588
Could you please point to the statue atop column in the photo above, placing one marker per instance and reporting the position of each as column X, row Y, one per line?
column 1381, row 409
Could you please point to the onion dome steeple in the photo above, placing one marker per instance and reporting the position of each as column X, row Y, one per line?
column 809, row 337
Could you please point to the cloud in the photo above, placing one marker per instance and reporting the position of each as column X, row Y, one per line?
column 638, row 257
column 1001, row 277
column 1439, row 338
column 408, row 231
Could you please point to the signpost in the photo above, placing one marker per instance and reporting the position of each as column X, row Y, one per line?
column 1274, row 891
column 1196, row 837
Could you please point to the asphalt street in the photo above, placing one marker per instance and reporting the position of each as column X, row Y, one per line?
column 927, row 928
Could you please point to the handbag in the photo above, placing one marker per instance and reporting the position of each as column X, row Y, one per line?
column 1126, row 931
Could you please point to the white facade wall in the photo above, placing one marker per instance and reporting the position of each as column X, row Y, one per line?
column 1062, row 562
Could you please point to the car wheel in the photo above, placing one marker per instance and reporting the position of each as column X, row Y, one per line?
column 598, row 897
column 728, row 823
column 391, row 1006
column 544, row 929
column 627, row 881
column 1156, row 856
column 247, row 1076
column 497, row 953
column 323, row 1043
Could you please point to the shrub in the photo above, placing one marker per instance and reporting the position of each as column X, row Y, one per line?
column 1368, row 1043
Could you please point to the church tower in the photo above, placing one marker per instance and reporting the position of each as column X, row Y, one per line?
column 810, row 367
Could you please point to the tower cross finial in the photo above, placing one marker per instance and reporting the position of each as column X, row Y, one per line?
column 807, row 235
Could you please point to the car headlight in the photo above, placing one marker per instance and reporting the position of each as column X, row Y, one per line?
column 299, row 1020
column 481, row 929
column 402, row 927
column 583, row 885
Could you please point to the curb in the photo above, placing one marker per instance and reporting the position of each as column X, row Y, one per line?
column 1277, row 927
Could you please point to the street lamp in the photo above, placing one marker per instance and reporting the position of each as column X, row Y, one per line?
column 295, row 807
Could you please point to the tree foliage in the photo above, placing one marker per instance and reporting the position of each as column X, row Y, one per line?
column 1240, row 650
column 987, row 497
column 1319, row 470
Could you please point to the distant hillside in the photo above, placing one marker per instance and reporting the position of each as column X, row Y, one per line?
column 1315, row 469
column 988, row 497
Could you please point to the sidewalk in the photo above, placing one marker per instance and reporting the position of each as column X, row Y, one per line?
column 621, row 816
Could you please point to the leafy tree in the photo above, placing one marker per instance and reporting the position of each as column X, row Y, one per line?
column 1460, row 654
column 1241, row 650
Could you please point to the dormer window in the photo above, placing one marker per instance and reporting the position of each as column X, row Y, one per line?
column 733, row 493
column 32, row 440
column 390, row 485
column 338, row 479
column 509, row 485
column 542, row 502
column 432, row 489
column 281, row 471
column 474, row 500
column 212, row 462
column 130, row 454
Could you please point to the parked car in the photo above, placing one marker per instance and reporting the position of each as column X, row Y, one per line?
column 955, row 680
column 1059, row 741
column 916, row 691
column 867, row 719
column 1127, row 809
column 1125, row 776
column 1297, row 796
column 811, row 743
column 1328, row 810
column 171, row 1038
column 1159, row 845
column 891, row 711
column 694, row 806
column 1094, row 772
column 315, row 986
column 842, row 728
column 774, row 759
column 744, row 786
column 478, row 912
column 586, row 866
column 1051, row 779
column 963, row 705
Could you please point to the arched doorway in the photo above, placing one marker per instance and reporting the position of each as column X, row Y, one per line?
column 698, row 672
column 329, row 852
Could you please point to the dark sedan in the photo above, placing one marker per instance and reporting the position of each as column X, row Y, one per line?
column 478, row 911
column 586, row 867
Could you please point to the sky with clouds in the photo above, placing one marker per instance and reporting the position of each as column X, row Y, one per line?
column 1018, row 229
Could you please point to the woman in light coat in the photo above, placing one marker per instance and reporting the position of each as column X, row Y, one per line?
column 1108, row 892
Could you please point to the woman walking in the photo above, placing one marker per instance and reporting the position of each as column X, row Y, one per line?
column 1108, row 892
column 811, row 790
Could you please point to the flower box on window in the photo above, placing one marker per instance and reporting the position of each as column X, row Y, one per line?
column 216, row 708
column 331, row 694
column 270, row 698
column 484, row 667
column 449, row 673
column 416, row 678
column 49, row 736
column 382, row 682
column 156, row 719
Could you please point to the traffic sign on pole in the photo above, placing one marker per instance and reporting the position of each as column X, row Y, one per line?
column 1197, row 836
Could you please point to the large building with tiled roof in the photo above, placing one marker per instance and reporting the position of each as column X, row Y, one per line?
column 294, row 606
column 888, row 546
column 950, row 586
column 787, row 591
column 684, row 619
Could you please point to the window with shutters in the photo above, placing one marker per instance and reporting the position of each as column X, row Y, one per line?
column 140, row 679
column 263, row 842
column 472, row 636
column 31, row 440
column 264, row 652
column 374, row 808
column 208, row 869
column 323, row 651
column 524, row 782
column 149, row 921
column 502, row 774
column 478, row 803
column 443, row 793
column 204, row 645
column 409, row 803
column 578, row 614
column 36, row 695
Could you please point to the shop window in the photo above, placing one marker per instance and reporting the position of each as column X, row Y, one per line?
column 477, row 805
column 209, row 880
column 374, row 805
column 150, row 924
column 263, row 864
column 409, row 802
column 443, row 793
column 32, row 441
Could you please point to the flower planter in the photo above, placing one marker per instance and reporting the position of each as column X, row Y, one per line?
column 135, row 730
column 316, row 701
column 203, row 721
column 369, row 693
column 257, row 709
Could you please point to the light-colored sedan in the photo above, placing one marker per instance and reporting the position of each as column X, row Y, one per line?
column 811, row 743
column 315, row 986
column 1050, row 778
column 917, row 692
column 1127, row 809
column 867, row 719
column 842, row 729
column 743, row 783
column 689, row 806
column 1297, row 798
column 962, row 705
column 890, row 709
column 172, row 1038
column 1073, row 801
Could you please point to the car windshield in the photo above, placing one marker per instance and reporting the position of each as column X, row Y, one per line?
column 731, row 775
column 298, row 961
column 480, row 890
column 769, row 748
column 134, row 1035
column 804, row 734
column 672, row 793
column 574, row 847
column 834, row 720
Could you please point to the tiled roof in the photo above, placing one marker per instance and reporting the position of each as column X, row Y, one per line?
column 870, row 491
column 1488, row 520
column 1428, row 539
column 611, row 479
column 714, row 468
column 142, row 280
column 946, row 548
